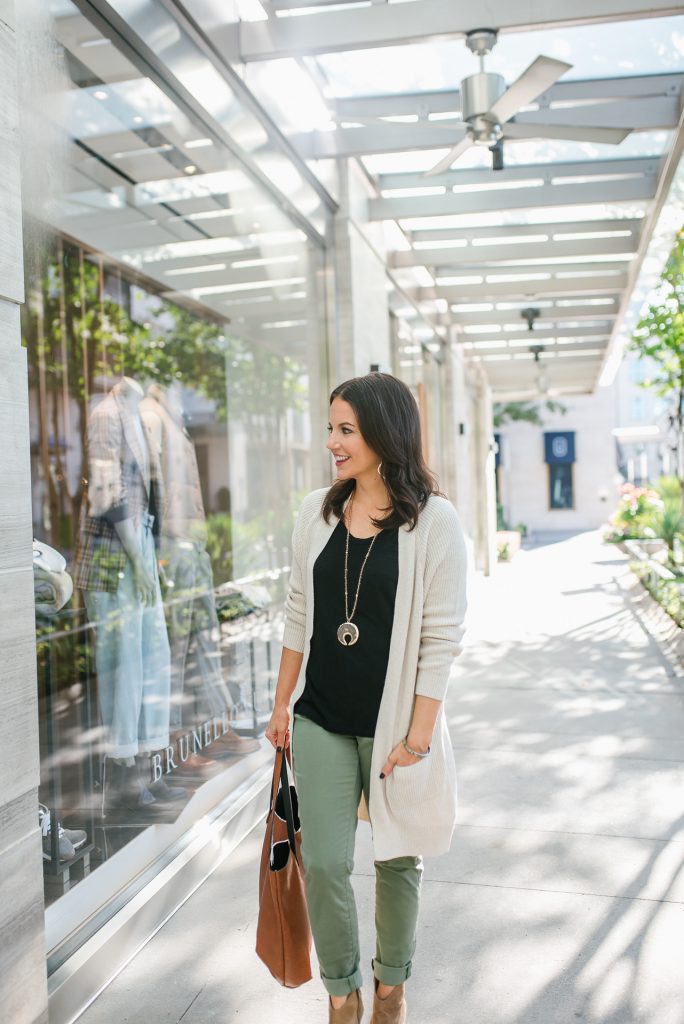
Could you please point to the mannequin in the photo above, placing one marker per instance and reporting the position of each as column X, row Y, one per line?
column 191, row 611
column 116, row 569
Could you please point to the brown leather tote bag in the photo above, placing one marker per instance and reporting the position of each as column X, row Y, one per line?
column 283, row 938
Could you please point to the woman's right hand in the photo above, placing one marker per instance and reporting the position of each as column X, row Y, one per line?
column 278, row 730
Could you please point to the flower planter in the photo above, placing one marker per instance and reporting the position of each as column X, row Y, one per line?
column 507, row 544
column 652, row 547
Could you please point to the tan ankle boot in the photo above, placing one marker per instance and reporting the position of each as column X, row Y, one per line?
column 350, row 1013
column 391, row 1010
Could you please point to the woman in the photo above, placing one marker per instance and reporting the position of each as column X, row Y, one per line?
column 374, row 618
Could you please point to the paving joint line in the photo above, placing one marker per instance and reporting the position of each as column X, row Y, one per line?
column 542, row 753
column 534, row 888
column 570, row 832
column 578, row 736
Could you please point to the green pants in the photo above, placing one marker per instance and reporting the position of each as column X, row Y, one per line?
column 330, row 772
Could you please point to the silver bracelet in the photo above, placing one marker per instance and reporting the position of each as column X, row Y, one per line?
column 415, row 753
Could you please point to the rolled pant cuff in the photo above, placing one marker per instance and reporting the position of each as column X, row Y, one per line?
column 391, row 975
column 122, row 750
column 343, row 986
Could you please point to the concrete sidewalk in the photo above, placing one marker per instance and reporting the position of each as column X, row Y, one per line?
column 562, row 899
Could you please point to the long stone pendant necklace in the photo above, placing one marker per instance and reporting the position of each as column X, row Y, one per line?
column 348, row 632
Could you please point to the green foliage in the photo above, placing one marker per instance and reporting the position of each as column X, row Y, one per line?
column 669, row 488
column 219, row 545
column 635, row 516
column 525, row 412
column 76, row 332
column 646, row 513
column 62, row 653
column 668, row 593
column 84, row 327
column 659, row 337
column 255, row 545
column 503, row 551
column 668, row 522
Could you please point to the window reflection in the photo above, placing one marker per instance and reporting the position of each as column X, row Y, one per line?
column 560, row 485
column 168, row 453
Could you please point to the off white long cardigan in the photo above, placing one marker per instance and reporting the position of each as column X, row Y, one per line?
column 412, row 811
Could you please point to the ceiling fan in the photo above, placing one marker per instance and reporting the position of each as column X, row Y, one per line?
column 488, row 108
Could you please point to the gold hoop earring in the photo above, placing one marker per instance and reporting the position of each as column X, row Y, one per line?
column 380, row 469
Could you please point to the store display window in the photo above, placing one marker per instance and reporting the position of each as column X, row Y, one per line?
column 158, row 584
column 174, row 332
column 559, row 454
column 560, row 486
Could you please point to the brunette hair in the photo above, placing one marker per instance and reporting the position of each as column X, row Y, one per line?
column 389, row 422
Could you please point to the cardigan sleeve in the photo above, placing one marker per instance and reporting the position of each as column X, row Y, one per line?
column 444, row 604
column 294, row 636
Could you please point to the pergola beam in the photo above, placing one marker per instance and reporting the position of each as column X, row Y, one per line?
column 649, row 113
column 503, row 253
column 522, row 172
column 600, row 269
column 444, row 101
column 419, row 21
column 381, row 138
column 549, row 315
column 543, row 334
column 189, row 279
column 251, row 310
column 520, row 199
column 520, row 289
column 206, row 249
column 550, row 351
column 514, row 381
column 645, row 114
column 509, row 231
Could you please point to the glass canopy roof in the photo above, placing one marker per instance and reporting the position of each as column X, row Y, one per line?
column 205, row 148
column 640, row 47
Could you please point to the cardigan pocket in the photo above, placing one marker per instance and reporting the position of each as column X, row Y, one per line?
column 409, row 787
column 423, row 796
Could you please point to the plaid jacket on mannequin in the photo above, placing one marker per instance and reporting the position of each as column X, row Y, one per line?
column 116, row 490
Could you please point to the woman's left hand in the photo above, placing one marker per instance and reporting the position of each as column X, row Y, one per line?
column 399, row 756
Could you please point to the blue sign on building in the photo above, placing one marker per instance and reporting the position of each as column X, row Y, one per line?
column 559, row 446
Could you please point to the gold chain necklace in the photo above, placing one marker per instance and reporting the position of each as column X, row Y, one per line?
column 348, row 632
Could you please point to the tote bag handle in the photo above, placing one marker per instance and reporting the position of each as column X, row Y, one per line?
column 281, row 781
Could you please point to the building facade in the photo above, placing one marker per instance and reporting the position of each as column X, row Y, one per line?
column 161, row 428
column 565, row 474
column 194, row 249
column 645, row 448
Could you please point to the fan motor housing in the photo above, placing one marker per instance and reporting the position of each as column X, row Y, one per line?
column 480, row 92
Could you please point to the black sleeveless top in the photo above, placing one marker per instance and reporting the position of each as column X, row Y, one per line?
column 344, row 685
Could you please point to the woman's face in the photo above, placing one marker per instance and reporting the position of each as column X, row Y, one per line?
column 353, row 457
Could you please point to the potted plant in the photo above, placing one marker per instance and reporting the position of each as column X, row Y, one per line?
column 507, row 540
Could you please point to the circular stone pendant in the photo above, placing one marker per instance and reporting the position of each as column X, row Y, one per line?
column 348, row 634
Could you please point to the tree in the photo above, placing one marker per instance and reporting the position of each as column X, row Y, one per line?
column 659, row 337
column 81, row 328
column 527, row 412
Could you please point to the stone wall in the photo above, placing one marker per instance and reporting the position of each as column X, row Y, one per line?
column 23, row 989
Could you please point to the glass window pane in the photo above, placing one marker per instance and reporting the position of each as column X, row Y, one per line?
column 560, row 485
column 174, row 331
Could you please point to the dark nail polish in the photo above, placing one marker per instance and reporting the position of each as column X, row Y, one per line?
column 279, row 750
column 382, row 775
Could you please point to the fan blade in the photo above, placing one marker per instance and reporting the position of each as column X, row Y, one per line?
column 454, row 127
column 451, row 158
column 541, row 74
column 573, row 133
